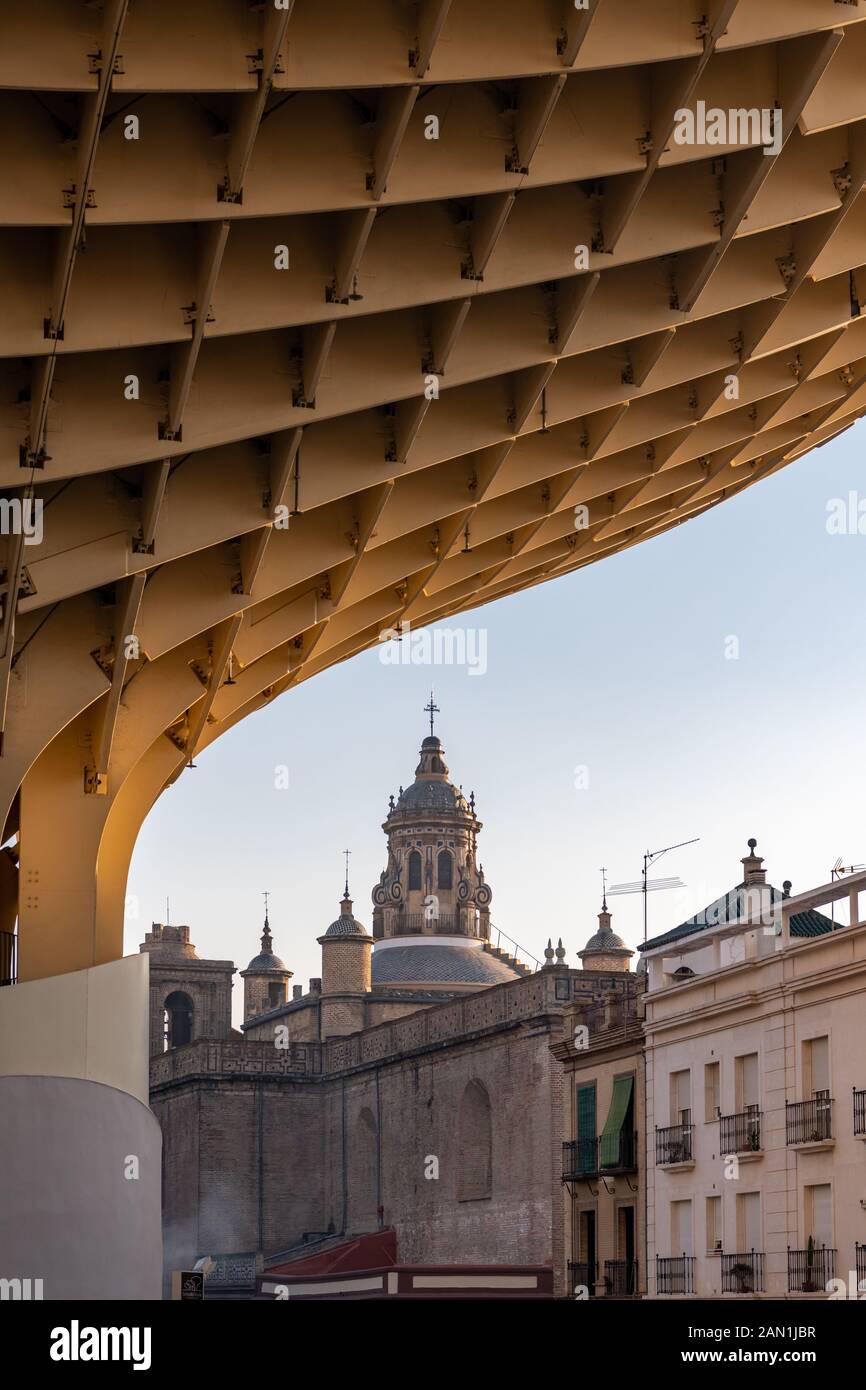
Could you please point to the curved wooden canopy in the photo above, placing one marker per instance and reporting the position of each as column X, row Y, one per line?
column 322, row 317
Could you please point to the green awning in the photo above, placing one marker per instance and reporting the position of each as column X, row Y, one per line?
column 609, row 1149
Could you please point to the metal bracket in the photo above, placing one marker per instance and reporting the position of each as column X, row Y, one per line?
column 190, row 313
column 95, row 783
column 70, row 199
column 842, row 180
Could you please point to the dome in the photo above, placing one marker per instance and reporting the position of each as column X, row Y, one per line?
column 438, row 962
column 347, row 924
column 431, row 790
column 605, row 939
column 266, row 961
column 437, row 796
column 605, row 950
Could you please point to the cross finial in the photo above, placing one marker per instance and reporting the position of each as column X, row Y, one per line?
column 432, row 709
column 347, row 852
column 603, row 873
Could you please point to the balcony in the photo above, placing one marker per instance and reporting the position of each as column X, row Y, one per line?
column 8, row 958
column 674, row 1145
column 860, row 1113
column 809, row 1121
column 675, row 1275
column 620, row 1278
column 740, row 1133
column 617, row 1153
column 743, row 1273
column 579, row 1159
column 860, row 1264
column 809, row 1271
column 415, row 923
column 582, row 1275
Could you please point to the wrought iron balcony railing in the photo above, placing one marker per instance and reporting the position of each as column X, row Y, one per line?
column 743, row 1273
column 579, row 1159
column 860, row 1112
column 675, row 1274
column 8, row 958
column 810, row 1270
column 617, row 1153
column 620, row 1278
column 740, row 1133
column 417, row 922
column 582, row 1275
column 809, row 1121
column 674, row 1144
column 860, row 1263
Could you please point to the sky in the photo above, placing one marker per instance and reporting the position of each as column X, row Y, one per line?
column 706, row 683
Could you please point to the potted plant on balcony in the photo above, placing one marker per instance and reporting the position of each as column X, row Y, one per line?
column 809, row 1285
column 755, row 1138
column 744, row 1275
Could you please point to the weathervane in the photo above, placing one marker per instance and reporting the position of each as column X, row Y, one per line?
column 266, row 896
column 432, row 709
column 347, row 852
column 603, row 873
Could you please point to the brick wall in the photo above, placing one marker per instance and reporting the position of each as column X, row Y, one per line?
column 265, row 1145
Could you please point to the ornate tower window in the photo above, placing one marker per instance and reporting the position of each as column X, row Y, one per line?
column 445, row 870
column 414, row 870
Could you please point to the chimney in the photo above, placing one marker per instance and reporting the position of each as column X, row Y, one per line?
column 753, row 871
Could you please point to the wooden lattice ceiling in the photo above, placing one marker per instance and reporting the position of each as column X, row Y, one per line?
column 322, row 264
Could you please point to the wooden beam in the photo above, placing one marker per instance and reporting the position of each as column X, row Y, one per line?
column 576, row 23
column 536, row 103
column 432, row 15
column 185, row 357
column 154, row 480
column 392, row 118
column 316, row 339
column 224, row 639
column 802, row 63
column 127, row 608
column 249, row 106
column 353, row 233
column 489, row 216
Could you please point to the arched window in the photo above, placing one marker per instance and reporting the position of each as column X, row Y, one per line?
column 178, row 1019
column 475, row 1144
column 444, row 870
column 414, row 870
column 363, row 1181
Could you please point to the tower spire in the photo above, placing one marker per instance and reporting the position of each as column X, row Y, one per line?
column 346, row 853
column 266, row 934
column 431, row 709
column 603, row 873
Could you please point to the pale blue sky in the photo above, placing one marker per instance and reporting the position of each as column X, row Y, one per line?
column 621, row 668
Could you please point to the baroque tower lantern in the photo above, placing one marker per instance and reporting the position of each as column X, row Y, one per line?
column 432, row 896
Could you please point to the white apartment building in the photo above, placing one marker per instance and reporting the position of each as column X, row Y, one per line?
column 756, row 1094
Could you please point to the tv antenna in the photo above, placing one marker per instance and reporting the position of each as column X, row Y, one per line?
column 645, row 885
column 838, row 871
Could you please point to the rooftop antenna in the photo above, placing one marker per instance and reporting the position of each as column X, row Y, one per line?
column 167, row 914
column 837, row 871
column 651, row 885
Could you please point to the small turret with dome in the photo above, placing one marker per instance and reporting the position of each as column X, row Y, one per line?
column 266, row 978
column 346, row 975
column 605, row 950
